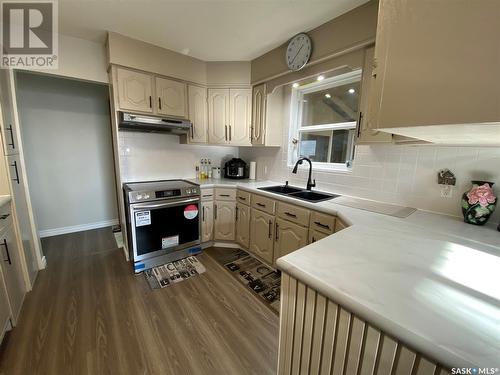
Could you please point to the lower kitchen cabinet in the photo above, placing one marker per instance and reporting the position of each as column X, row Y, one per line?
column 4, row 307
column 243, row 225
column 12, row 270
column 262, row 235
column 224, row 219
column 207, row 221
column 288, row 238
column 316, row 235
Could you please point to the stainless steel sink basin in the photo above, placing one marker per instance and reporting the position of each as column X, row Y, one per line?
column 313, row 196
column 282, row 189
column 295, row 192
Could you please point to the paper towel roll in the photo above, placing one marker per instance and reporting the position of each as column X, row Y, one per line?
column 253, row 170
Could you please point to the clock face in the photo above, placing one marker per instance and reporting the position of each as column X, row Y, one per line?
column 298, row 51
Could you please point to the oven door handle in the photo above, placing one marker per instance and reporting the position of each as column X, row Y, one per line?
column 160, row 205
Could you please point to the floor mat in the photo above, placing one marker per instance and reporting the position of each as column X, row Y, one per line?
column 173, row 272
column 261, row 279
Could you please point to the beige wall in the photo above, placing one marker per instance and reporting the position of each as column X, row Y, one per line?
column 228, row 72
column 349, row 31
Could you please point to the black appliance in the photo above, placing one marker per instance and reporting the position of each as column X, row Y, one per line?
column 163, row 221
column 235, row 168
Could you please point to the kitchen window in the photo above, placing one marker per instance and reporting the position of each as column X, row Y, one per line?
column 324, row 116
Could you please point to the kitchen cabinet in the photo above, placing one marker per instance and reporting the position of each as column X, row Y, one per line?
column 9, row 125
column 4, row 307
column 240, row 116
column 171, row 97
column 224, row 219
column 366, row 135
column 135, row 90
column 229, row 116
column 262, row 235
column 218, row 115
column 426, row 84
column 198, row 114
column 207, row 220
column 288, row 237
column 243, row 225
column 12, row 270
column 339, row 225
column 316, row 235
column 258, row 114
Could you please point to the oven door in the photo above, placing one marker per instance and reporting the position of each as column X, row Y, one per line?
column 161, row 227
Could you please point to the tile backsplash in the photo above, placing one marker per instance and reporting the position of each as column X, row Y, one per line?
column 405, row 175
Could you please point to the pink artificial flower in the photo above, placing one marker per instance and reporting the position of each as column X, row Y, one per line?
column 482, row 194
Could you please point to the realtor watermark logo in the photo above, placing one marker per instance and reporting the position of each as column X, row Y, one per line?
column 475, row 370
column 29, row 35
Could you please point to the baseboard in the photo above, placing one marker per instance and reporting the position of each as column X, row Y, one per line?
column 77, row 228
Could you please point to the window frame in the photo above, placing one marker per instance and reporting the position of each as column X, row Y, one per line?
column 296, row 128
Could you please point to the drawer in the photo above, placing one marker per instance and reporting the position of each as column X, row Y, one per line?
column 243, row 197
column 225, row 194
column 322, row 222
column 262, row 203
column 207, row 194
column 293, row 213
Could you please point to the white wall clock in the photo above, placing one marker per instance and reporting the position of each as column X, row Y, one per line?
column 298, row 51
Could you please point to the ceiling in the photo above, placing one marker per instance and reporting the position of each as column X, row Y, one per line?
column 211, row 30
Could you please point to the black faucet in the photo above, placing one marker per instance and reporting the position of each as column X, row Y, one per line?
column 310, row 183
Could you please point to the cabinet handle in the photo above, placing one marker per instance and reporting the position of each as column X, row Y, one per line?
column 7, row 251
column 17, row 173
column 225, row 132
column 236, row 215
column 313, row 240
column 261, row 204
column 215, row 212
column 192, row 130
column 359, row 123
column 3, row 217
column 277, row 236
column 321, row 225
column 270, row 225
column 290, row 214
column 11, row 136
column 203, row 214
column 150, row 102
column 230, row 136
column 251, row 132
column 224, row 195
column 159, row 103
column 242, row 198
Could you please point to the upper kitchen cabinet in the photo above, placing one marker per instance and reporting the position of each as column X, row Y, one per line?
column 436, row 74
column 135, row 90
column 229, row 116
column 171, row 97
column 197, row 105
column 364, row 133
column 9, row 126
column 267, row 111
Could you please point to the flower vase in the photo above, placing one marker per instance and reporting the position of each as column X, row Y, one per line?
column 478, row 203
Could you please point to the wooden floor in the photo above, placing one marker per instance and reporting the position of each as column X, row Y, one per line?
column 88, row 314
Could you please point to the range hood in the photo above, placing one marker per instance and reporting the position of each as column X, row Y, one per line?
column 144, row 123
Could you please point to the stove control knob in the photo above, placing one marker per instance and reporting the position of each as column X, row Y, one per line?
column 138, row 196
column 145, row 196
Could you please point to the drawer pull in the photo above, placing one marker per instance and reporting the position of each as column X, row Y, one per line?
column 242, row 198
column 3, row 217
column 6, row 250
column 206, row 195
column 270, row 225
column 277, row 236
column 224, row 195
column 322, row 225
column 261, row 204
column 290, row 214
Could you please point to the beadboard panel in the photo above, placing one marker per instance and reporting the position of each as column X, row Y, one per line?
column 318, row 336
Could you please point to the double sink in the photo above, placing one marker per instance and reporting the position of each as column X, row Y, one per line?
column 295, row 192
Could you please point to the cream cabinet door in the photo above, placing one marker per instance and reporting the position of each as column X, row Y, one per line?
column 135, row 90
column 316, row 235
column 198, row 114
column 366, row 135
column 207, row 221
column 171, row 97
column 243, row 225
column 261, row 235
column 258, row 114
column 289, row 237
column 9, row 126
column 218, row 115
column 12, row 270
column 4, row 307
column 225, row 215
column 240, row 116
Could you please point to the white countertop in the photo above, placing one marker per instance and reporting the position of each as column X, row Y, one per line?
column 430, row 280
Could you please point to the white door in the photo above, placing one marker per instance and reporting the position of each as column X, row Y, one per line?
column 224, row 214
column 218, row 115
column 289, row 237
column 171, row 97
column 198, row 114
column 262, row 235
column 207, row 221
column 12, row 270
column 9, row 126
column 135, row 90
column 258, row 114
column 240, row 110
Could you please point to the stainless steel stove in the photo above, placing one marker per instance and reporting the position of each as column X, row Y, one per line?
column 163, row 221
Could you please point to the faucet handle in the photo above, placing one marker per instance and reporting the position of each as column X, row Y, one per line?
column 286, row 183
column 314, row 183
